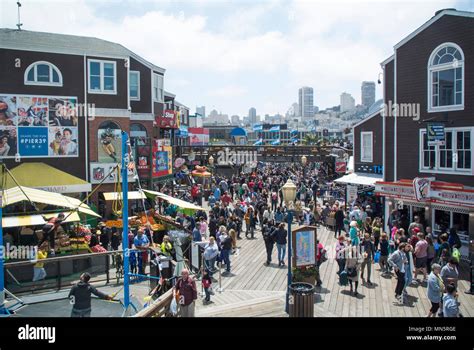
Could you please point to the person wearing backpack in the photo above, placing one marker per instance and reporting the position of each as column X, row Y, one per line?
column 384, row 253
column 268, row 234
column 207, row 285
column 454, row 240
column 352, row 268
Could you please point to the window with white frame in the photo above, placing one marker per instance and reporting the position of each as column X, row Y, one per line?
column 158, row 90
column 43, row 73
column 454, row 156
column 446, row 78
column 134, row 85
column 102, row 77
column 366, row 146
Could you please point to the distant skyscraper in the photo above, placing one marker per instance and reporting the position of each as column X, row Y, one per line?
column 252, row 116
column 305, row 99
column 368, row 93
column 347, row 102
column 235, row 119
column 201, row 111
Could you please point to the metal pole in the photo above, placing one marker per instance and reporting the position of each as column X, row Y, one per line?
column 3, row 310
column 289, row 221
column 125, row 248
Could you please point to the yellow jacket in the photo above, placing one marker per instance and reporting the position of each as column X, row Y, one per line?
column 40, row 256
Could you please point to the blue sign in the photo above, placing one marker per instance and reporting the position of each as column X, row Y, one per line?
column 33, row 141
column 183, row 131
column 435, row 132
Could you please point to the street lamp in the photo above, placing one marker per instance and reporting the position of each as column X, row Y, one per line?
column 304, row 160
column 289, row 195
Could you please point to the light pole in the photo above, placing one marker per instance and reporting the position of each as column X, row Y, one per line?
column 289, row 195
column 304, row 161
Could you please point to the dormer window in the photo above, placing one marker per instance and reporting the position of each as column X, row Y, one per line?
column 43, row 73
column 446, row 79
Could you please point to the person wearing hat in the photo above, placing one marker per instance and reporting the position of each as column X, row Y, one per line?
column 435, row 289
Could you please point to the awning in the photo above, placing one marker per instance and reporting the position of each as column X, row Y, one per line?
column 178, row 202
column 113, row 196
column 36, row 220
column 358, row 179
column 47, row 178
column 17, row 195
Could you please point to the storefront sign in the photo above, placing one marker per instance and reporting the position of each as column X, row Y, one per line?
column 341, row 167
column 435, row 133
column 99, row 171
column 395, row 191
column 167, row 120
column 371, row 169
column 38, row 126
column 421, row 188
column 465, row 199
column 182, row 131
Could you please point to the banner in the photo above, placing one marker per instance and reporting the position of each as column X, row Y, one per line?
column 109, row 144
column 351, row 194
column 162, row 159
column 258, row 127
column 275, row 128
column 341, row 167
column 198, row 136
column 38, row 126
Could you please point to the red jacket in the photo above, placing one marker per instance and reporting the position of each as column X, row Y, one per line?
column 187, row 291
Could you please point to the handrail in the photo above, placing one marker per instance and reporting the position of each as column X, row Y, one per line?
column 159, row 308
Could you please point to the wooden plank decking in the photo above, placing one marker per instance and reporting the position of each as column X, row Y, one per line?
column 254, row 289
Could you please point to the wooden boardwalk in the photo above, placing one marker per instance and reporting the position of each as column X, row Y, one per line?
column 256, row 290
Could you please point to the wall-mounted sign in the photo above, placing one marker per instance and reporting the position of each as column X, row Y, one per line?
column 371, row 169
column 340, row 167
column 351, row 194
column 421, row 186
column 167, row 120
column 38, row 126
column 436, row 134
column 110, row 143
column 99, row 171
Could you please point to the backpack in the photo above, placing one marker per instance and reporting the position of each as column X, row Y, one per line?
column 351, row 272
column 456, row 254
column 343, row 280
column 323, row 256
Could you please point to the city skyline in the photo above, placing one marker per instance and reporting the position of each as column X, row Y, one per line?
column 330, row 47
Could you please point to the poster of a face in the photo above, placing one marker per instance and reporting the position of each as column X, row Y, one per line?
column 32, row 111
column 63, row 112
column 62, row 141
column 110, row 143
column 8, row 110
column 8, row 141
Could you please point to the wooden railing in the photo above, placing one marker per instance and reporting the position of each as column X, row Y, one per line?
column 159, row 308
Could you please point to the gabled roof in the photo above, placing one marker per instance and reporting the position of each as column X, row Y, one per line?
column 67, row 44
column 438, row 15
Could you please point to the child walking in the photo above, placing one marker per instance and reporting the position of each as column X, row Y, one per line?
column 207, row 285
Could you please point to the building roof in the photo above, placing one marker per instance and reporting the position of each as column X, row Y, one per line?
column 67, row 44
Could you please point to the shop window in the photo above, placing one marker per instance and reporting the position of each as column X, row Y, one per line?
column 461, row 222
column 442, row 220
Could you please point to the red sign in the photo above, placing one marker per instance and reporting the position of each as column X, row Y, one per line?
column 340, row 167
column 167, row 120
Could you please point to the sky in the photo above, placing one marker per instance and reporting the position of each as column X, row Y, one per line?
column 233, row 55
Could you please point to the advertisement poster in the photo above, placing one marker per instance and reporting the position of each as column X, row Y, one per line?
column 62, row 112
column 198, row 136
column 162, row 159
column 305, row 248
column 63, row 142
column 33, row 142
column 38, row 126
column 110, row 143
column 8, row 111
column 32, row 111
column 8, row 141
column 351, row 194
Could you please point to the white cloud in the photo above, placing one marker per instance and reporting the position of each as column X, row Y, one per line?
column 229, row 91
column 330, row 45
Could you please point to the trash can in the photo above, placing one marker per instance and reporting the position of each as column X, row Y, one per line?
column 301, row 303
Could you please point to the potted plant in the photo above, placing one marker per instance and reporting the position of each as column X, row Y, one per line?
column 307, row 274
